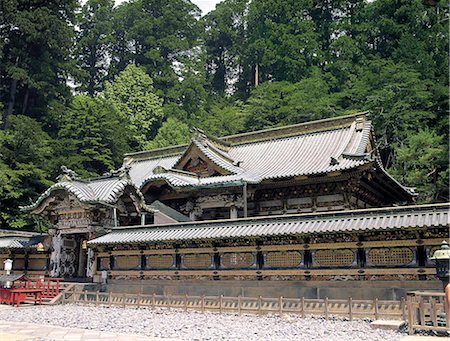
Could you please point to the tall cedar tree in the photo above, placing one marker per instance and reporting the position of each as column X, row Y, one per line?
column 94, row 43
column 36, row 40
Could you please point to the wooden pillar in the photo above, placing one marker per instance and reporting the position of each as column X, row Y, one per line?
column 244, row 197
column 233, row 212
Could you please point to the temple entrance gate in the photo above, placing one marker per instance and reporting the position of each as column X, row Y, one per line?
column 73, row 258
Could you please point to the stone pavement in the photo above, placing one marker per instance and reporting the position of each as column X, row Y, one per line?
column 423, row 338
column 15, row 331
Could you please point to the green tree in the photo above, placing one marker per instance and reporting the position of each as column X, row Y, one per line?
column 399, row 100
column 92, row 138
column 133, row 97
column 24, row 153
column 36, row 40
column 282, row 40
column 422, row 162
column 278, row 103
column 94, row 43
column 155, row 34
column 187, row 99
column 171, row 133
column 224, row 118
column 224, row 37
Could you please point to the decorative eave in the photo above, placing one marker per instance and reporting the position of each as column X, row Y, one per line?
column 379, row 219
column 218, row 158
column 104, row 190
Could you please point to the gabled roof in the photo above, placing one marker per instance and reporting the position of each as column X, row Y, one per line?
column 381, row 219
column 209, row 151
column 101, row 190
column 306, row 149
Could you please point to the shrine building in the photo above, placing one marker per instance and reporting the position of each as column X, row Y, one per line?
column 306, row 202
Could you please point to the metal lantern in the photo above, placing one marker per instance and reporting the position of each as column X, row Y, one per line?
column 442, row 259
column 40, row 247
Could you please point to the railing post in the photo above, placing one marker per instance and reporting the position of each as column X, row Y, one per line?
column 169, row 303
column 303, row 311
column 124, row 300
column 138, row 302
column 239, row 305
column 446, row 304
column 350, row 309
column 185, row 302
column 109, row 299
column 326, row 308
column 202, row 303
column 422, row 311
column 259, row 305
column 96, row 298
column 375, row 305
column 153, row 300
column 411, row 313
column 220, row 303
column 57, row 286
column 280, row 305
column 85, row 297
column 403, row 307
column 433, row 312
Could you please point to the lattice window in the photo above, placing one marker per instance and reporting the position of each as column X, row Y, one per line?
column 160, row 261
column 283, row 259
column 127, row 262
column 103, row 263
column 391, row 256
column 238, row 260
column 37, row 263
column 197, row 260
column 334, row 257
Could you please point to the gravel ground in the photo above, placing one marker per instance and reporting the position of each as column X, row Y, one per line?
column 189, row 325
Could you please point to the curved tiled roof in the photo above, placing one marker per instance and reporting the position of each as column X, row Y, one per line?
column 20, row 242
column 341, row 221
column 302, row 150
column 307, row 149
column 105, row 190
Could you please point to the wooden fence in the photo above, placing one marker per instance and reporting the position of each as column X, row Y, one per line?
column 350, row 308
column 426, row 311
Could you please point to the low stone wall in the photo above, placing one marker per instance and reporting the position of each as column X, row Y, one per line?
column 363, row 290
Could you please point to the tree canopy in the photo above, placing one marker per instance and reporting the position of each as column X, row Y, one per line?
column 82, row 83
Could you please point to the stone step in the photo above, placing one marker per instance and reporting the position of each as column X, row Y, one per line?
column 387, row 324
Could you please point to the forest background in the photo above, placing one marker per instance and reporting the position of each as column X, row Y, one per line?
column 80, row 85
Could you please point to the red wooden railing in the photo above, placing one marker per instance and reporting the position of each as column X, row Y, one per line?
column 49, row 286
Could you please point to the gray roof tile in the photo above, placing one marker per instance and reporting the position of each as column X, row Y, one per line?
column 342, row 221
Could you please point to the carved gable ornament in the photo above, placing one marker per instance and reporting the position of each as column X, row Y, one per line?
column 207, row 158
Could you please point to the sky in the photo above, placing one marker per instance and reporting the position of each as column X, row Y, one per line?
column 205, row 5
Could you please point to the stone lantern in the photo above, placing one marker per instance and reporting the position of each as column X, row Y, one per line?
column 441, row 258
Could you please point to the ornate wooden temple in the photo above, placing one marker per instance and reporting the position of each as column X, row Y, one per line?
column 310, row 201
